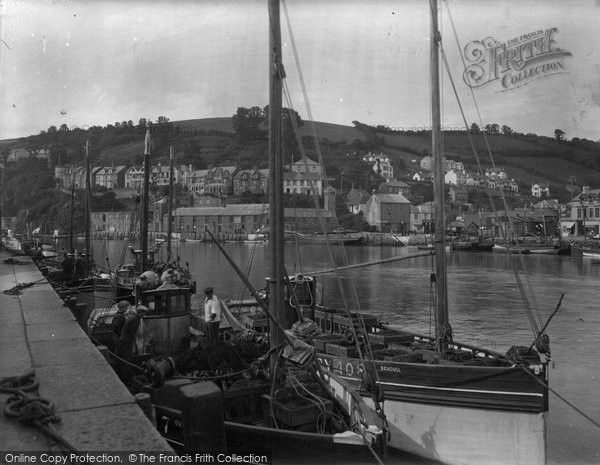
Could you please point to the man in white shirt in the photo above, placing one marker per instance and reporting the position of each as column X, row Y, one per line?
column 212, row 316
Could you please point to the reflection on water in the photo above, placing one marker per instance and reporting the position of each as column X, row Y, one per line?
column 484, row 303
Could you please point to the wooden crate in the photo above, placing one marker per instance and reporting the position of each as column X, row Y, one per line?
column 320, row 341
column 341, row 322
column 398, row 355
column 388, row 337
column 341, row 349
column 296, row 411
column 323, row 318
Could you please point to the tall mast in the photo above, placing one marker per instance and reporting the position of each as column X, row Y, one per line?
column 442, row 327
column 88, row 196
column 71, row 248
column 170, row 205
column 276, row 218
column 145, row 201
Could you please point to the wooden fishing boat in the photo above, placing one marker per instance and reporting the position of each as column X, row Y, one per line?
column 245, row 390
column 439, row 392
column 338, row 237
column 592, row 255
column 511, row 249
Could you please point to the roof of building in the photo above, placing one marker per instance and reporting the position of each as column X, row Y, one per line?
column 390, row 198
column 396, row 183
column 229, row 169
column 263, row 172
column 249, row 209
column 112, row 169
column 305, row 160
column 235, row 209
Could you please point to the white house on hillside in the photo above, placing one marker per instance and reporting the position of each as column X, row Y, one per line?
column 539, row 190
column 457, row 178
column 381, row 165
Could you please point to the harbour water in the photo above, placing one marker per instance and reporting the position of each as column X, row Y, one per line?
column 485, row 309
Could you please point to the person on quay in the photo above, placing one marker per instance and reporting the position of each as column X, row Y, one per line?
column 126, row 342
column 212, row 316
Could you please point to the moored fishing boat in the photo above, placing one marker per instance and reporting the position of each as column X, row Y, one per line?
column 516, row 249
column 439, row 392
column 337, row 237
column 241, row 388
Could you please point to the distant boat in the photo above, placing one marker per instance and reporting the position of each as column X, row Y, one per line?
column 547, row 250
column 593, row 255
column 337, row 237
column 473, row 246
column 585, row 247
column 510, row 249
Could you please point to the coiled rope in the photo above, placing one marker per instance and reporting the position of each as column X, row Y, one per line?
column 31, row 411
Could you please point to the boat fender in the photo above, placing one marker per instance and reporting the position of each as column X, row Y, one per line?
column 432, row 277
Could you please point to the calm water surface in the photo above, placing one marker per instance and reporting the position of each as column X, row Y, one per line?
column 485, row 309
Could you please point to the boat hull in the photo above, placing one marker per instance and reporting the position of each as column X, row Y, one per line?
column 544, row 250
column 505, row 249
column 458, row 414
column 466, row 436
column 580, row 249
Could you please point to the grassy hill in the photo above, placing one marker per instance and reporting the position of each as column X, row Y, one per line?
column 212, row 141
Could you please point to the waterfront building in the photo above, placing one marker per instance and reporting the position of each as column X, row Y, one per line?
column 389, row 212
column 244, row 218
column 112, row 222
column 421, row 218
column 356, row 200
column 582, row 214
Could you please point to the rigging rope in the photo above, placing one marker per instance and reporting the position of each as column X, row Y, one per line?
column 570, row 404
column 314, row 191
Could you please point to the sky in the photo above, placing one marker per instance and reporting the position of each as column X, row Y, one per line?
column 84, row 63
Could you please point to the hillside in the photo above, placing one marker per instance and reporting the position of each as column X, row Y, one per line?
column 212, row 141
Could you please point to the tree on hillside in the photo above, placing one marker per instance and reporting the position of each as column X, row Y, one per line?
column 559, row 134
column 290, row 118
column 475, row 129
column 492, row 128
column 247, row 122
column 361, row 175
column 506, row 130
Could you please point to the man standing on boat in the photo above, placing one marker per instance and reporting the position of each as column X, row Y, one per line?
column 118, row 320
column 126, row 342
column 212, row 316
